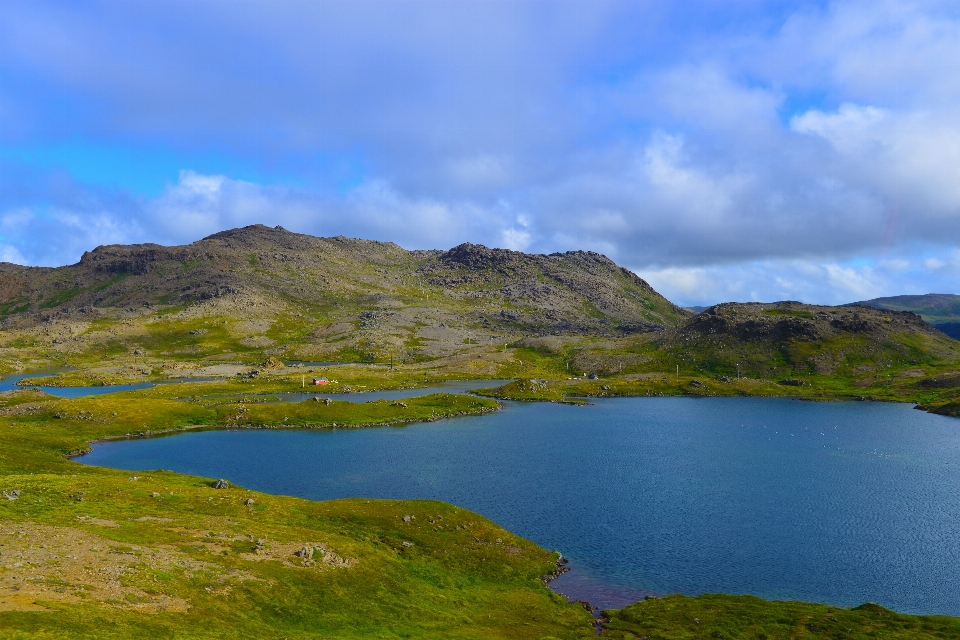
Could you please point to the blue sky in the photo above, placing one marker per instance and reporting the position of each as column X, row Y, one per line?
column 724, row 150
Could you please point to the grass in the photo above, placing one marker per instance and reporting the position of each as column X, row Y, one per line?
column 746, row 617
column 444, row 573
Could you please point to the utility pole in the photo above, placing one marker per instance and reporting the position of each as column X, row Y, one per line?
column 678, row 372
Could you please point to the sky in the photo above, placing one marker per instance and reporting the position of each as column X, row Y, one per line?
column 721, row 149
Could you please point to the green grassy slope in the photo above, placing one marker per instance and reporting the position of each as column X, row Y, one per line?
column 87, row 552
column 745, row 617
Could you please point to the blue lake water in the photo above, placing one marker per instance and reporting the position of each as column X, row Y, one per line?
column 840, row 503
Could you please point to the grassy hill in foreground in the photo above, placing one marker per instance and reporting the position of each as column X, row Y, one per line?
column 942, row 310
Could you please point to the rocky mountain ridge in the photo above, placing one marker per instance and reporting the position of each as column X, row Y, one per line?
column 576, row 292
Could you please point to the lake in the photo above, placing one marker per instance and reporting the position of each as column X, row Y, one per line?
column 841, row 503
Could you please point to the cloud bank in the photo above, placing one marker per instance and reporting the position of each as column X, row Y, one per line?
column 722, row 150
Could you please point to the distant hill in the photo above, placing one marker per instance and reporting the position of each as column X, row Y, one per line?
column 942, row 310
column 785, row 339
column 696, row 309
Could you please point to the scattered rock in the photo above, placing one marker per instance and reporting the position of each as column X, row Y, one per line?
column 306, row 554
column 13, row 494
column 221, row 484
column 406, row 544
column 407, row 518
column 402, row 405
column 273, row 363
column 697, row 384
column 248, row 502
column 792, row 382
column 154, row 495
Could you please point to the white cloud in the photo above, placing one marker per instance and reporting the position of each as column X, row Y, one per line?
column 851, row 129
column 515, row 239
column 10, row 253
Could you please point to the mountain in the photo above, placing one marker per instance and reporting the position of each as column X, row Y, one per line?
column 261, row 287
column 696, row 309
column 942, row 310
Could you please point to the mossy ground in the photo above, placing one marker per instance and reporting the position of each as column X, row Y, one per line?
column 745, row 617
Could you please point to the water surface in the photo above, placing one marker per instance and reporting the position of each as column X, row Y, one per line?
column 840, row 503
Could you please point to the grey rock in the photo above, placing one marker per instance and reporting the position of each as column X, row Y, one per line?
column 221, row 484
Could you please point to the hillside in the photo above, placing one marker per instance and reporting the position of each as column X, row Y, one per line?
column 266, row 291
column 790, row 338
column 256, row 298
column 942, row 310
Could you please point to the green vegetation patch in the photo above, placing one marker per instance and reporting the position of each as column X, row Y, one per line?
column 677, row 617
column 792, row 313
column 60, row 297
